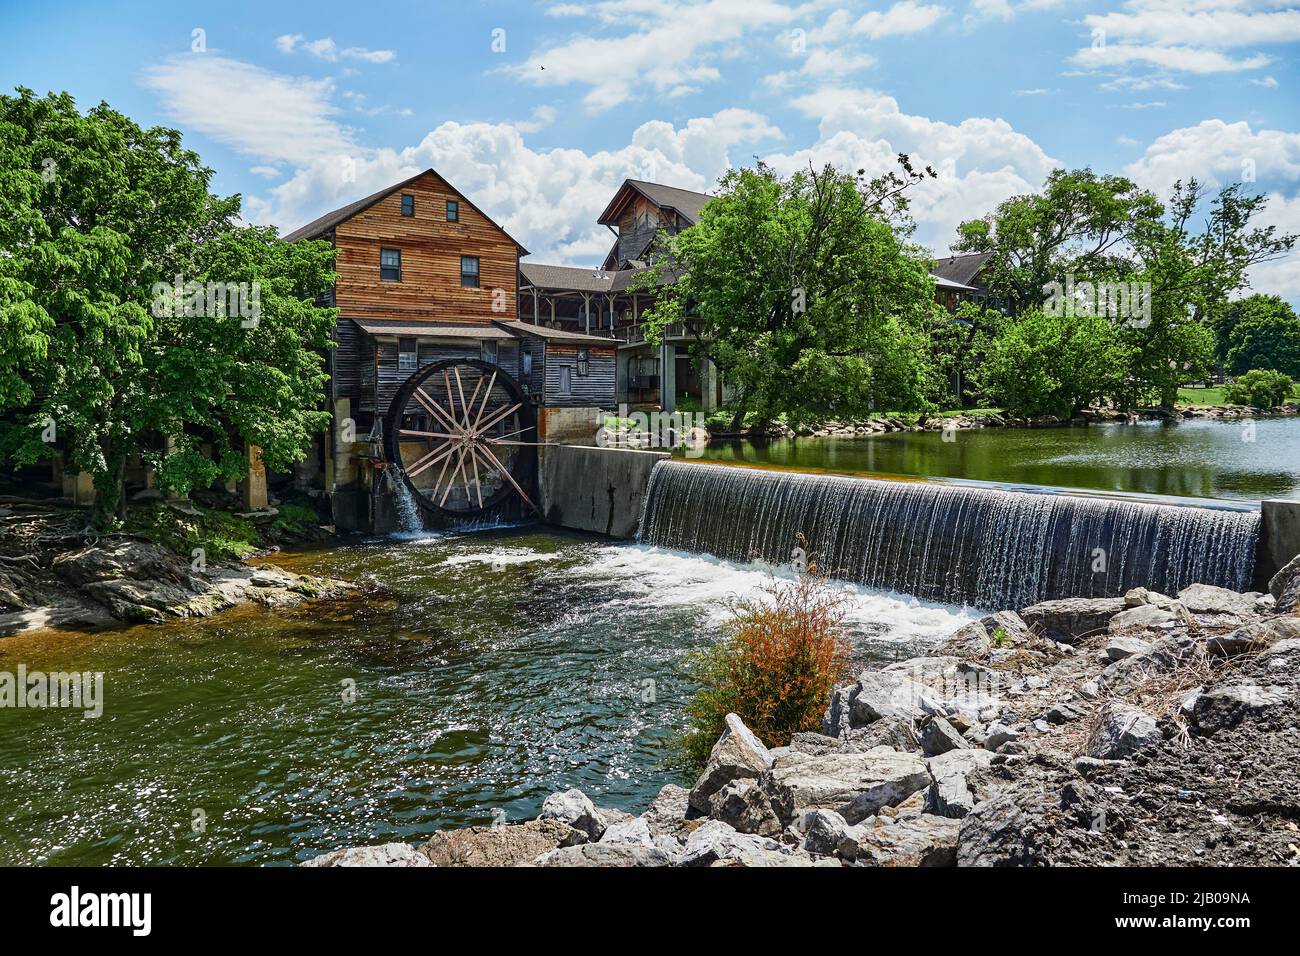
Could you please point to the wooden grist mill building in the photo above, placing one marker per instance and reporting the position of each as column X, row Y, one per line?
column 439, row 396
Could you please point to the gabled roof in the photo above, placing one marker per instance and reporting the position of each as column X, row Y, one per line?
column 961, row 268
column 687, row 202
column 322, row 225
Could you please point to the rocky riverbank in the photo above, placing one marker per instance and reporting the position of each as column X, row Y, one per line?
column 54, row 573
column 1140, row 730
column 926, row 422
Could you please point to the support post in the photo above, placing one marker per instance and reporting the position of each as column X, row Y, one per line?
column 254, row 486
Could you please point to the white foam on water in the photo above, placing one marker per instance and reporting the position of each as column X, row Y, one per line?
column 666, row 578
column 497, row 557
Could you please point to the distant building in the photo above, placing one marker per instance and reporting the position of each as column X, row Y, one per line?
column 959, row 279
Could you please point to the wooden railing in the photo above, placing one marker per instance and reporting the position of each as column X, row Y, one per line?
column 634, row 333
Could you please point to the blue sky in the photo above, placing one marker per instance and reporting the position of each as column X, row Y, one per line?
column 538, row 110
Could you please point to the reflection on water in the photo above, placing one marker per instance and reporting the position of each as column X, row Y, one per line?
column 499, row 667
column 1199, row 458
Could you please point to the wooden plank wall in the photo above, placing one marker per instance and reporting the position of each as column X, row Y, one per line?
column 594, row 388
column 431, row 250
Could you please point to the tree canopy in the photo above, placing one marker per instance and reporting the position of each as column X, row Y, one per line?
column 809, row 298
column 97, row 214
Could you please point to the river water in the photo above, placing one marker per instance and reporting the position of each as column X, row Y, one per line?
column 1199, row 458
column 497, row 668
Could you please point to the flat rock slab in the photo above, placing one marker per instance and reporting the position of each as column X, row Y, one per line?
column 605, row 855
column 387, row 854
column 499, row 846
column 855, row 786
column 1070, row 619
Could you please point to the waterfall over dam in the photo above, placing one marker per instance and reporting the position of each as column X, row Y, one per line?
column 985, row 547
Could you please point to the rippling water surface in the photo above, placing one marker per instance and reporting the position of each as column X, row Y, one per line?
column 500, row 667
column 1200, row 458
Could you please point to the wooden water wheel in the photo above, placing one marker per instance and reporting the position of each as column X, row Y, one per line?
column 460, row 434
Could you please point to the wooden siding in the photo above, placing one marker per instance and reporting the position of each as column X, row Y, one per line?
column 389, row 378
column 594, row 388
column 431, row 251
column 347, row 358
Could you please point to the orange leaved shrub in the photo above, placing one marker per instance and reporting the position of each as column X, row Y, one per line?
column 775, row 667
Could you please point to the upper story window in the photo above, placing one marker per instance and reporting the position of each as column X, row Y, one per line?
column 408, row 204
column 488, row 351
column 566, row 381
column 408, row 355
column 390, row 265
column 469, row 271
column 453, row 211
column 584, row 361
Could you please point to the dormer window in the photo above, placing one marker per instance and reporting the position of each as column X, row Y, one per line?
column 408, row 204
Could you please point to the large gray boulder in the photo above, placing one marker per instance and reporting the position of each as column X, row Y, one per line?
column 826, row 833
column 634, row 830
column 954, row 785
column 574, row 808
column 1121, row 731
column 715, row 843
column 499, row 845
column 745, row 807
column 922, row 840
column 1285, row 585
column 938, row 736
column 891, row 694
column 1147, row 616
column 1069, row 620
column 969, row 642
column 387, row 854
column 1117, row 648
column 1208, row 599
column 1007, row 629
column 854, row 785
column 738, row 755
column 666, row 815
column 1227, row 704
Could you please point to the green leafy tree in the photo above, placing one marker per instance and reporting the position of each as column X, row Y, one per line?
column 1076, row 225
column 1192, row 259
column 1264, row 334
column 98, row 211
column 809, row 298
column 1259, row 388
column 1037, row 363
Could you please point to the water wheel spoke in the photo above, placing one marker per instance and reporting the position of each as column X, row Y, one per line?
column 460, row 390
column 517, row 431
column 505, row 473
column 451, row 479
column 419, row 434
column 478, row 483
column 429, row 460
column 530, row 444
column 446, row 461
column 496, row 417
column 433, row 408
column 486, row 399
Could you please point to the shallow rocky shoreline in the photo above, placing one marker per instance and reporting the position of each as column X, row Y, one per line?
column 1086, row 416
column 1140, row 730
column 125, row 580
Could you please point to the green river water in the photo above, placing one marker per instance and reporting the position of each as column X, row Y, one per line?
column 499, row 667
column 490, row 669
